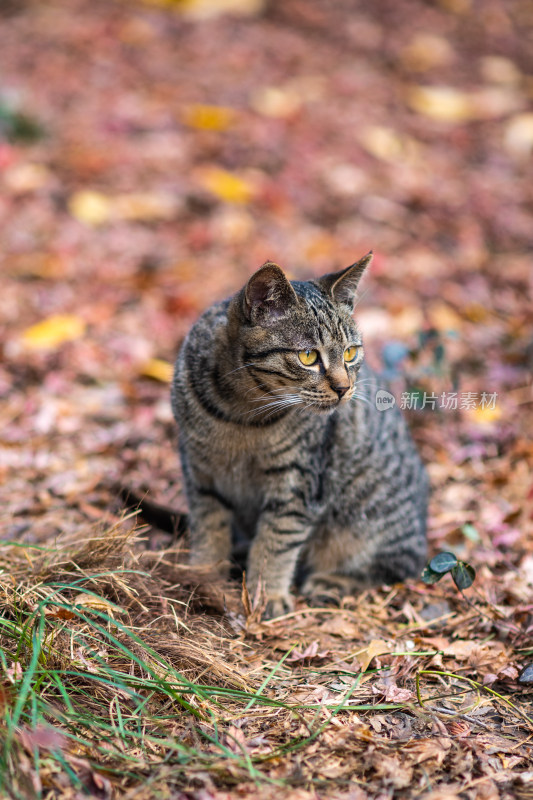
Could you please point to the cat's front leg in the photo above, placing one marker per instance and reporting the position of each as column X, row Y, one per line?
column 210, row 529
column 273, row 557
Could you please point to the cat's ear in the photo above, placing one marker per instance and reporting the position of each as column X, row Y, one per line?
column 268, row 295
column 342, row 285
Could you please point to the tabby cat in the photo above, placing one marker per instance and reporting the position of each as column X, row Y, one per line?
column 281, row 444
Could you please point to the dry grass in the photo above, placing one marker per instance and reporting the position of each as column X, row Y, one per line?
column 127, row 674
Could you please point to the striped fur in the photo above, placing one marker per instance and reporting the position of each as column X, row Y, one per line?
column 328, row 492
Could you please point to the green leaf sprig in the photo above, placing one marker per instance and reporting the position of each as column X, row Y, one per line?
column 462, row 573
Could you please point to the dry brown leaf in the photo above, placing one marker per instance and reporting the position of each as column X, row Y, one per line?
column 337, row 625
column 423, row 750
column 376, row 647
column 393, row 769
column 42, row 737
column 310, row 652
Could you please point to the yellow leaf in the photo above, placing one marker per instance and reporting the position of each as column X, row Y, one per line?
column 209, row 118
column 426, row 51
column 484, row 416
column 89, row 207
column 446, row 104
column 233, row 225
column 518, row 137
column 276, row 101
column 97, row 603
column 496, row 69
column 143, row 206
column 205, row 9
column 442, row 103
column 455, row 6
column 158, row 369
column 52, row 332
column 377, row 647
column 23, row 178
column 444, row 317
column 381, row 142
column 94, row 208
column 226, row 185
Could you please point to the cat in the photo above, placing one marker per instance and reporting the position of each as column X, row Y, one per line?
column 282, row 444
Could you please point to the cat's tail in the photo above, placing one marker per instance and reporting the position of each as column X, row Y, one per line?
column 163, row 517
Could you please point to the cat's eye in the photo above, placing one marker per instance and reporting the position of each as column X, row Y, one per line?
column 308, row 357
column 350, row 353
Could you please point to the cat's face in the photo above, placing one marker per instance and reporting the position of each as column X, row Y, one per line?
column 299, row 344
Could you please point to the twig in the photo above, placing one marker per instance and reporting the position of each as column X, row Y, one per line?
column 476, row 685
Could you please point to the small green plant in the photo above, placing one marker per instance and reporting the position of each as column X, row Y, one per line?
column 462, row 573
column 17, row 126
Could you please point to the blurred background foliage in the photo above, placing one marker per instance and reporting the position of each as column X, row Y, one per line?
column 153, row 154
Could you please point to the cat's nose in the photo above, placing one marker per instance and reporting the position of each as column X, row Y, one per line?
column 340, row 389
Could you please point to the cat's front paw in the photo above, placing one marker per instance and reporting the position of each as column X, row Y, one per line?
column 325, row 590
column 278, row 606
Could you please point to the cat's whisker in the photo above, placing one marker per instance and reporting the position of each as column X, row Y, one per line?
column 275, row 394
column 274, row 409
column 283, row 404
column 275, row 405
column 243, row 366
column 359, row 297
column 278, row 409
column 356, row 396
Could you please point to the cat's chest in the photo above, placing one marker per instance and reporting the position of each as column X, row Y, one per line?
column 237, row 470
column 240, row 482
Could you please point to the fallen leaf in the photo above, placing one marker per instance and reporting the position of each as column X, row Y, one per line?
column 484, row 416
column 42, row 737
column 447, row 104
column 428, row 750
column 497, row 69
column 426, row 51
column 59, row 613
column 97, row 603
column 275, row 101
column 54, row 331
column 94, row 208
column 14, row 672
column 386, row 143
column 311, row 651
column 143, row 206
column 340, row 626
column 226, row 185
column 208, row 118
column 377, row 647
column 158, row 369
column 207, row 9
column 518, row 136
column 22, row 178
column 393, row 769
column 396, row 694
column 392, row 692
column 509, row 672
column 89, row 207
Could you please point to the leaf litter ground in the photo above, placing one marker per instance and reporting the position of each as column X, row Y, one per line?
column 152, row 156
